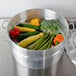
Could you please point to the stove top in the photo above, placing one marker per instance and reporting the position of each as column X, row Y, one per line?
column 7, row 63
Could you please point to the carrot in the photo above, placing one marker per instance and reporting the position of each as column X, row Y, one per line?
column 58, row 39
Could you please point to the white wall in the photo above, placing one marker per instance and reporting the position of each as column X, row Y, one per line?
column 9, row 8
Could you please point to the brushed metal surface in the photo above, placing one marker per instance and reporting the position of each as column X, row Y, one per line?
column 63, row 68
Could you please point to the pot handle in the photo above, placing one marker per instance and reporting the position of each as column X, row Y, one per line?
column 4, row 25
column 72, row 24
column 71, row 27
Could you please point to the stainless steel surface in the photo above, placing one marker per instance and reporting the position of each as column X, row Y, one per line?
column 71, row 43
column 8, row 65
column 38, row 59
column 23, row 71
column 63, row 68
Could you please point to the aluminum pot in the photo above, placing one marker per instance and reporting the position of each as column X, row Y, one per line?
column 32, row 59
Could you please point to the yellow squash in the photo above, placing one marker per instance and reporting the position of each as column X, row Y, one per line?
column 29, row 40
column 25, row 29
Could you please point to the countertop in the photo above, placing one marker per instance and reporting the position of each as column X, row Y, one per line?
column 7, row 63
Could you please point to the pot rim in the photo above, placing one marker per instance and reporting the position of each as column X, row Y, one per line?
column 28, row 50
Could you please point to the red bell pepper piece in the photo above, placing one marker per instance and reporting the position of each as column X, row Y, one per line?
column 15, row 32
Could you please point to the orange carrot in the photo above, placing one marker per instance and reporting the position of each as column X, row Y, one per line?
column 58, row 39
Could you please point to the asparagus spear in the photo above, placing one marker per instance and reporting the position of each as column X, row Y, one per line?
column 44, row 42
column 35, row 43
column 50, row 42
column 38, row 45
column 44, row 46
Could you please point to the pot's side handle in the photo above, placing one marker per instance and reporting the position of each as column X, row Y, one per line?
column 71, row 24
column 4, row 24
column 71, row 27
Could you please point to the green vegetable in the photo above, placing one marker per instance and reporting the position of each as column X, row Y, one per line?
column 45, row 45
column 25, row 35
column 42, row 43
column 30, row 40
column 45, row 39
column 36, row 44
column 33, row 45
column 57, row 42
column 28, row 25
column 48, row 43
column 51, row 26
column 51, row 41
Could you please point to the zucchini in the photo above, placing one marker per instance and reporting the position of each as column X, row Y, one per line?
column 25, row 29
column 25, row 35
column 30, row 40
column 28, row 25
